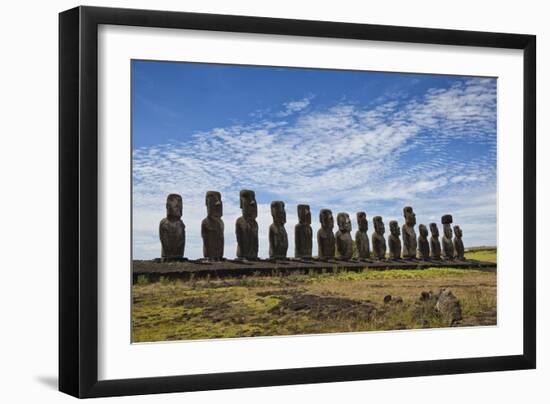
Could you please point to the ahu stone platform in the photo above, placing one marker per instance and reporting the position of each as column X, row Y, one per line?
column 185, row 269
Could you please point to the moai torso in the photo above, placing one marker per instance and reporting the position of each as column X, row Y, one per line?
column 325, row 236
column 172, row 229
column 361, row 237
column 212, row 227
column 409, row 235
column 246, row 227
column 448, row 247
column 394, row 242
column 423, row 243
column 435, row 245
column 458, row 244
column 344, row 242
column 378, row 240
column 303, row 234
column 447, row 239
column 278, row 239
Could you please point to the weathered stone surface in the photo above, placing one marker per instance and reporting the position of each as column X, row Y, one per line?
column 423, row 243
column 394, row 242
column 246, row 227
column 435, row 245
column 278, row 239
column 447, row 239
column 409, row 234
column 439, row 303
column 378, row 240
column 361, row 236
column 239, row 267
column 344, row 242
column 458, row 244
column 303, row 234
column 448, row 306
column 326, row 242
column 172, row 229
column 212, row 227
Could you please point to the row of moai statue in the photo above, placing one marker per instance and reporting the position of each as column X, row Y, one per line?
column 172, row 234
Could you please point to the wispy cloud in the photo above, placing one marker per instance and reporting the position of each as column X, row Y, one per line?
column 436, row 152
column 294, row 106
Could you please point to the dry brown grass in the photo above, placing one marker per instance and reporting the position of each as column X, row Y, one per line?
column 252, row 306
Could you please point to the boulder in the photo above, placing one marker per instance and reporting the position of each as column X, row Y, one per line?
column 448, row 306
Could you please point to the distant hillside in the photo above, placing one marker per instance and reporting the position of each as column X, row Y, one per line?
column 481, row 248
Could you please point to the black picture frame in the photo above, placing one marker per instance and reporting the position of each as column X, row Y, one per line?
column 78, row 201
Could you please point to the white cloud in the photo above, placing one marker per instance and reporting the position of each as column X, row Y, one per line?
column 346, row 158
column 292, row 107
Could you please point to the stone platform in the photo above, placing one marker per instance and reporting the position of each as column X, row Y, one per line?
column 200, row 268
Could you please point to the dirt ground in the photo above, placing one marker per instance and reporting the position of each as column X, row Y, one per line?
column 309, row 304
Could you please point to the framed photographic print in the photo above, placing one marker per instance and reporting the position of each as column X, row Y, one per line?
column 250, row 201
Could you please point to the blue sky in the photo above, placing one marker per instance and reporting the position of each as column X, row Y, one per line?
column 343, row 140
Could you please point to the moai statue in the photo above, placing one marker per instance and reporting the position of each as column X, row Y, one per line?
column 378, row 240
column 423, row 243
column 303, row 234
column 172, row 230
column 212, row 227
column 447, row 239
column 278, row 239
column 344, row 242
column 246, row 227
column 394, row 242
column 409, row 235
column 325, row 236
column 457, row 243
column 361, row 236
column 435, row 245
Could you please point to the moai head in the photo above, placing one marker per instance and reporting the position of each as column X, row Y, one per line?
column 214, row 206
column 410, row 217
column 434, row 229
column 378, row 225
column 174, row 206
column 278, row 212
column 458, row 231
column 326, row 219
column 446, row 220
column 362, row 221
column 304, row 214
column 344, row 223
column 423, row 230
column 248, row 204
column 394, row 228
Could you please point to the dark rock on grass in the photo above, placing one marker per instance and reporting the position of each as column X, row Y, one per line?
column 395, row 300
column 325, row 308
column 424, row 296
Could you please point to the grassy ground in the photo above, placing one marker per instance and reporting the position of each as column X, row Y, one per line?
column 307, row 304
